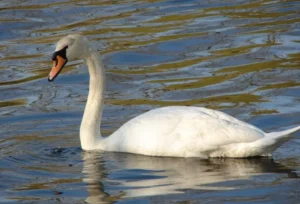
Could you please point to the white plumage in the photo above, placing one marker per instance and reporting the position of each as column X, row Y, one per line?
column 175, row 131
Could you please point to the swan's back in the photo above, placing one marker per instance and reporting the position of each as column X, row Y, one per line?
column 181, row 131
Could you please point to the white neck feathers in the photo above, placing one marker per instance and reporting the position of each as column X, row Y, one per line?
column 90, row 136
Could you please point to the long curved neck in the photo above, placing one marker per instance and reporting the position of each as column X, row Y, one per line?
column 90, row 136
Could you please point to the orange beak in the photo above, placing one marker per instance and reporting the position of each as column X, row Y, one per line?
column 58, row 65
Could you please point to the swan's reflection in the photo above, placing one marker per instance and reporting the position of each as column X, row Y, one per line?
column 111, row 176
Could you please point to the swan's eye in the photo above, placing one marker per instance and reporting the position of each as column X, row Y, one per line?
column 61, row 53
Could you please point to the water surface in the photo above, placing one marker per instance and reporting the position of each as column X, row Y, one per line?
column 241, row 57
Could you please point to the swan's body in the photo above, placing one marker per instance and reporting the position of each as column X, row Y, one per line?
column 176, row 131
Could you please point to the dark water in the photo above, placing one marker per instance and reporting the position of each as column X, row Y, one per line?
column 241, row 57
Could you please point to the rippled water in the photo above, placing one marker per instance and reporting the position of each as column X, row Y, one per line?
column 241, row 57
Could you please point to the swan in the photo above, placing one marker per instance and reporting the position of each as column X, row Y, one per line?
column 175, row 131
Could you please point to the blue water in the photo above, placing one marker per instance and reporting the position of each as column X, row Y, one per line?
column 202, row 48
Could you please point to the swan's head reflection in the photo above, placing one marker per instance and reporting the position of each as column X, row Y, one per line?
column 111, row 176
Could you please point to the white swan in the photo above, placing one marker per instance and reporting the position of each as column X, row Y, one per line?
column 175, row 131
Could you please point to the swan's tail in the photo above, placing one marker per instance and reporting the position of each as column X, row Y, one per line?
column 273, row 140
column 262, row 147
column 284, row 133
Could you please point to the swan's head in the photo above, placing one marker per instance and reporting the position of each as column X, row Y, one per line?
column 68, row 48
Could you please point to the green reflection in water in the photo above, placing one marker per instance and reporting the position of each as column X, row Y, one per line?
column 264, row 112
column 235, row 99
column 15, row 102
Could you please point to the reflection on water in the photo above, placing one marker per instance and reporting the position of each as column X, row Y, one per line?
column 115, row 176
column 241, row 57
